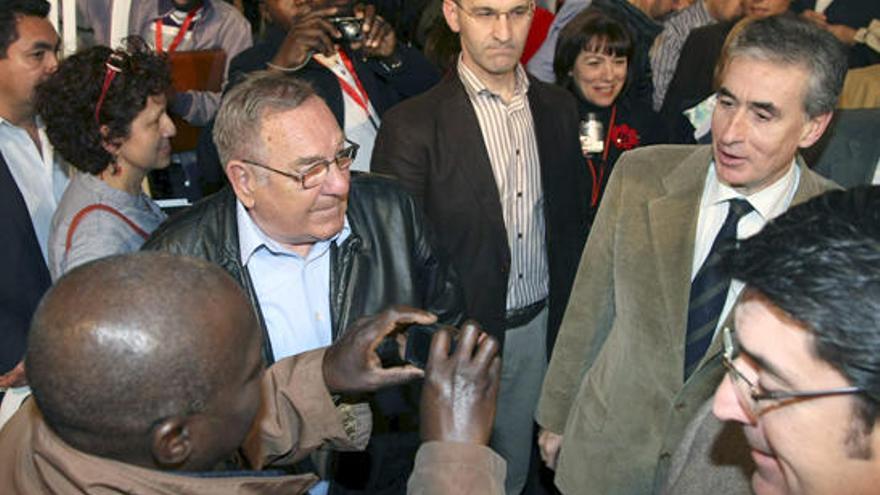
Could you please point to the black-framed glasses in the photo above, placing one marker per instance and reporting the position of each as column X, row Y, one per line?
column 750, row 394
column 315, row 174
column 486, row 15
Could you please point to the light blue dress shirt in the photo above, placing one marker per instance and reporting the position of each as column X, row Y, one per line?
column 293, row 292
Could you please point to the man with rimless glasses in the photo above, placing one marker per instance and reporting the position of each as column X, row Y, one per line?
column 314, row 246
column 801, row 398
column 492, row 155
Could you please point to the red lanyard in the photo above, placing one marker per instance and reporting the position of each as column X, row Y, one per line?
column 180, row 33
column 600, row 175
column 359, row 95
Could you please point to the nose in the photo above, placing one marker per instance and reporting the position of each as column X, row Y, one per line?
column 725, row 405
column 607, row 71
column 169, row 130
column 51, row 62
column 336, row 182
column 732, row 125
column 501, row 27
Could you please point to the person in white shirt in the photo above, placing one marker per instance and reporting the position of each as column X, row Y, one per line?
column 31, row 179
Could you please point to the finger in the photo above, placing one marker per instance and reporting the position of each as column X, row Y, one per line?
column 391, row 319
column 326, row 27
column 398, row 375
column 381, row 30
column 466, row 342
column 369, row 14
column 486, row 352
column 439, row 350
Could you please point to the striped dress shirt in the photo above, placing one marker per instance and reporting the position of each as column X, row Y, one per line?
column 667, row 46
column 509, row 135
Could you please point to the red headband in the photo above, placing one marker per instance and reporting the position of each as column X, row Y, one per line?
column 113, row 67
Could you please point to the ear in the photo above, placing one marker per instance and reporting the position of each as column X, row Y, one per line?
column 814, row 128
column 243, row 181
column 450, row 12
column 170, row 442
column 111, row 147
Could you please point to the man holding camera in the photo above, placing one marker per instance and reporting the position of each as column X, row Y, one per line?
column 314, row 247
column 349, row 54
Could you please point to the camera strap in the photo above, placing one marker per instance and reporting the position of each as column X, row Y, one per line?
column 181, row 32
column 357, row 93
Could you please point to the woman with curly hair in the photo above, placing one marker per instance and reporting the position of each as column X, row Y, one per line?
column 592, row 61
column 105, row 114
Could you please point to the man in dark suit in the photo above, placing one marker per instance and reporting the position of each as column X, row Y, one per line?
column 30, row 181
column 493, row 157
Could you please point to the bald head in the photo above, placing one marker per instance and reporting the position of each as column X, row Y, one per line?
column 121, row 344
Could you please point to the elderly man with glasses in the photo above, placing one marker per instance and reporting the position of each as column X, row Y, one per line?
column 315, row 246
column 493, row 156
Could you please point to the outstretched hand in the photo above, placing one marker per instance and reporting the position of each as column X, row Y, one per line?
column 351, row 363
column 460, row 390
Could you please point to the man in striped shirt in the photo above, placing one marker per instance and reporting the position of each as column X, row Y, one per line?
column 492, row 155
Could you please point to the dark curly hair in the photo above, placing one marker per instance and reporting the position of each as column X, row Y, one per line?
column 67, row 101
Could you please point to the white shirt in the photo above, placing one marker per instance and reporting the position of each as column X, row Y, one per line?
column 360, row 127
column 876, row 180
column 39, row 177
column 767, row 204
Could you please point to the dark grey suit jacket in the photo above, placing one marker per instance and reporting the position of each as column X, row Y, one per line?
column 433, row 144
column 849, row 150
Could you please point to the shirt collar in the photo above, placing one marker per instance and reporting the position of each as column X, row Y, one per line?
column 768, row 202
column 475, row 87
column 167, row 6
column 251, row 238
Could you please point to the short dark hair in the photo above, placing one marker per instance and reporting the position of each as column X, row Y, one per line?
column 67, row 100
column 791, row 40
column 820, row 263
column 10, row 11
column 592, row 29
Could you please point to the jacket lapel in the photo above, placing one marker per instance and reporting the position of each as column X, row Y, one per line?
column 809, row 185
column 672, row 223
column 470, row 158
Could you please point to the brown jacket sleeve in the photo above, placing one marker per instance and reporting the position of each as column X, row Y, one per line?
column 445, row 468
column 298, row 415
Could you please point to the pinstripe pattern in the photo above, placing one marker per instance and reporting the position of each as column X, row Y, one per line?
column 709, row 290
column 509, row 136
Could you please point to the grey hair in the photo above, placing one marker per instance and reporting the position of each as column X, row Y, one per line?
column 239, row 120
column 790, row 40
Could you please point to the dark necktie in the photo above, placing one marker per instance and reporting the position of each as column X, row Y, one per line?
column 709, row 290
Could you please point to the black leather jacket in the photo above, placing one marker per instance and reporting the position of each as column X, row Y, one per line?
column 388, row 259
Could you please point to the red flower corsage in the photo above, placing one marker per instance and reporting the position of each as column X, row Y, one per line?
column 624, row 137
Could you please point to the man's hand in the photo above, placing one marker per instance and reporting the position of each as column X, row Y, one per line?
column 459, row 393
column 351, row 363
column 309, row 32
column 15, row 377
column 379, row 38
column 549, row 444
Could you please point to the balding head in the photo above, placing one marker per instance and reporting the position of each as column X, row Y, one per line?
column 127, row 350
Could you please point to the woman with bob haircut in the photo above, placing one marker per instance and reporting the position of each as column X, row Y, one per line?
column 105, row 114
column 592, row 61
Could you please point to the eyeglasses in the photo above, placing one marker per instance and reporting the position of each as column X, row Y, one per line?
column 486, row 15
column 750, row 395
column 315, row 174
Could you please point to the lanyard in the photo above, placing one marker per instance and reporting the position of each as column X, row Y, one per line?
column 600, row 175
column 180, row 33
column 359, row 95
